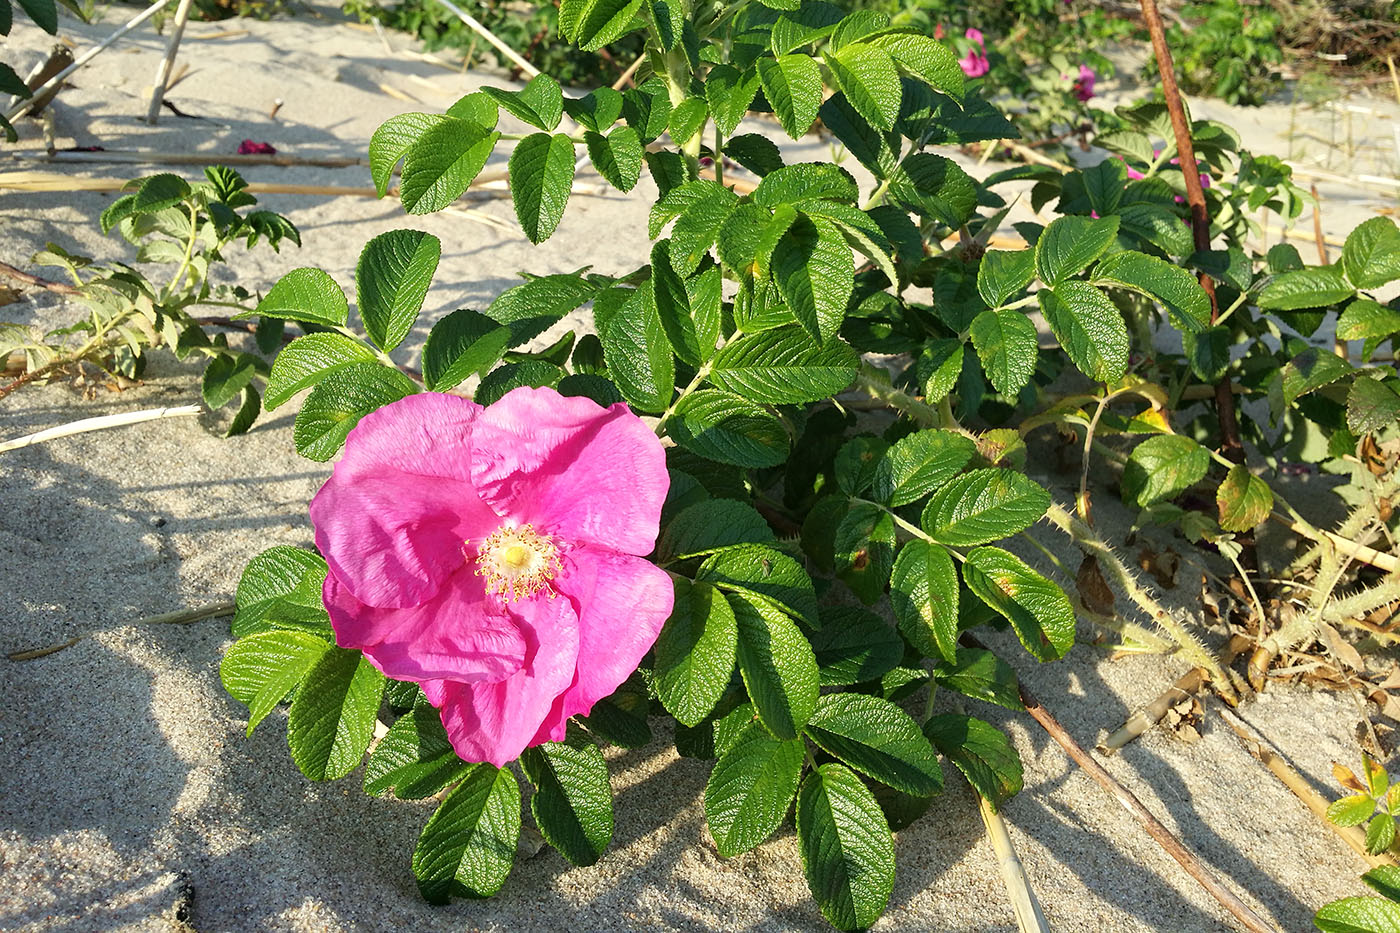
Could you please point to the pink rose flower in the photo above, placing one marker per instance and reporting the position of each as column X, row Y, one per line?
column 494, row 555
column 1084, row 84
column 974, row 64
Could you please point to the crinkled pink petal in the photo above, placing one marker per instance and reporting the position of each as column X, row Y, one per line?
column 459, row 634
column 974, row 64
column 586, row 474
column 495, row 722
column 399, row 505
column 622, row 603
column 974, row 34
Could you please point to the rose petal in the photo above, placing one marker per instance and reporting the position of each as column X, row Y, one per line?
column 393, row 517
column 495, row 722
column 458, row 634
column 622, row 603
column 588, row 474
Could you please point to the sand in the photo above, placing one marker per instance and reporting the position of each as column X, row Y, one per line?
column 130, row 798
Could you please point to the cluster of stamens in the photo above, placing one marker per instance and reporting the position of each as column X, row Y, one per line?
column 517, row 562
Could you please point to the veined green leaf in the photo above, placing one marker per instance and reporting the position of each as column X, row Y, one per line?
column 924, row 596
column 847, row 849
column 696, row 652
column 392, row 279
column 541, row 178
column 1038, row 610
column 468, row 846
column 333, row 714
column 751, row 788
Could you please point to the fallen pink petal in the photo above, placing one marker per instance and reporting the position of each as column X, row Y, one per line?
column 496, row 556
column 251, row 147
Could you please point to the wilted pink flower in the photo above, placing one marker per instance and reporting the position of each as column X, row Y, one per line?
column 494, row 556
column 249, row 147
column 974, row 64
column 1084, row 84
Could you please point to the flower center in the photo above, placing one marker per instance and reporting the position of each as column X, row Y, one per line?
column 517, row 562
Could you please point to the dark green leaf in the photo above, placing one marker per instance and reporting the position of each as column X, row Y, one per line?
column 226, row 375
column 415, row 757
column 1069, row 244
column 1089, row 327
column 1038, row 610
column 541, row 178
column 768, row 573
column 1007, row 345
column 815, row 273
column 638, row 355
column 864, row 550
column 308, row 295
column 539, row 103
column 461, row 344
column 468, row 846
column 696, row 652
column 750, row 789
column 725, row 427
column 392, row 141
column 1371, row 256
column 1313, row 287
column 866, row 74
column 339, row 401
column 878, row 739
column 617, row 156
column 572, row 803
column 261, row 669
column 983, row 506
column 793, row 86
column 712, row 525
column 847, row 849
column 392, row 279
column 981, row 751
column 441, row 164
column 979, row 674
column 333, row 714
column 919, row 463
column 784, row 366
column 924, row 596
column 281, row 588
column 1372, row 405
column 1162, row 467
column 1003, row 274
column 935, row 187
column 777, row 664
column 1176, row 289
column 854, row 645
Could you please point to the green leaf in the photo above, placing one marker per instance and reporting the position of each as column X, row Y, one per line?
column 1172, row 286
column 815, row 273
column 696, row 652
column 281, row 589
column 333, row 714
column 784, row 366
column 938, row 367
column 917, row 464
column 617, row 156
column 692, row 335
column 600, row 22
column 777, row 664
column 730, row 93
column 1372, row 405
column 1309, row 370
column 1351, row 811
column 1313, row 287
column 868, row 145
column 495, row 384
column 541, row 177
column 392, row 279
column 43, row 12
column 1162, row 467
column 767, row 573
column 1371, row 256
column 935, row 187
column 249, row 407
column 1244, row 500
column 750, row 789
column 476, row 107
column 308, row 295
column 392, row 141
column 981, row 751
column 1007, row 345
column 866, row 74
column 11, row 83
column 864, row 550
column 549, row 296
column 468, row 846
column 1380, row 833
column 539, row 103
column 847, row 849
column 338, row 403
column 261, row 669
column 1069, row 244
column 1038, row 610
column 226, row 375
column 441, row 164
column 463, row 343
column 984, row 505
column 1003, row 274
column 160, row 192
column 854, row 645
column 980, row 674
column 638, row 355
column 758, row 154
column 597, row 110
column 687, row 118
column 793, row 86
column 1158, row 226
column 713, row 525
column 306, row 360
column 647, row 110
column 878, row 739
column 1365, row 319
column 1384, row 879
column 572, row 803
column 415, row 758
column 924, row 596
column 925, row 58
column 1089, row 327
column 1359, row 915
column 726, row 427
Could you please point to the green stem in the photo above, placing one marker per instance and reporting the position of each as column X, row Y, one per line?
column 189, row 251
column 876, row 196
column 700, row 376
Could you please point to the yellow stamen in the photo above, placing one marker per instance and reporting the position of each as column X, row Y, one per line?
column 517, row 562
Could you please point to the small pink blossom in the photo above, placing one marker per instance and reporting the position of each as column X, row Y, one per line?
column 1084, row 84
column 975, row 64
column 494, row 555
column 938, row 31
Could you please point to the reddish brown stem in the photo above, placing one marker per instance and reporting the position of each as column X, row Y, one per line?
column 1194, row 867
column 19, row 275
column 1200, row 220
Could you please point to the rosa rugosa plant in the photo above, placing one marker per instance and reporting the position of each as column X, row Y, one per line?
column 824, row 558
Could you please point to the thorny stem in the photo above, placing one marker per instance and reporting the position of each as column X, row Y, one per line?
column 1090, row 543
